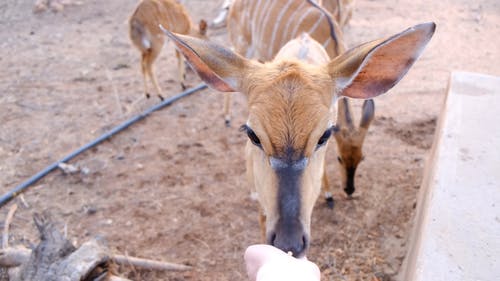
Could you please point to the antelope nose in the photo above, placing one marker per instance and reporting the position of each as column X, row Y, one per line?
column 294, row 241
column 349, row 189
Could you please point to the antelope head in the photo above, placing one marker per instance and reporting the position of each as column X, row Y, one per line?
column 350, row 140
column 290, row 105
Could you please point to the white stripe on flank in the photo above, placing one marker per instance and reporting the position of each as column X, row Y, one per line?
column 299, row 22
column 263, row 23
column 276, row 25
column 254, row 13
column 291, row 18
column 261, row 27
column 327, row 42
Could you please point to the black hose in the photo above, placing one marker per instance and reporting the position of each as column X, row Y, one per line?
column 20, row 188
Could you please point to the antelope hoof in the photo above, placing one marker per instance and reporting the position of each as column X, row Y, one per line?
column 329, row 202
column 227, row 122
column 148, row 95
column 183, row 86
column 161, row 97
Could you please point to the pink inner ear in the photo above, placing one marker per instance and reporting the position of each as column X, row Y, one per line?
column 387, row 63
column 195, row 61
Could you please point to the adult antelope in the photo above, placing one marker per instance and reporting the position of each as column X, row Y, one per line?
column 291, row 103
column 340, row 9
column 148, row 38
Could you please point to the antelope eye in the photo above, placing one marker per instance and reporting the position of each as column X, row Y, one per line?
column 251, row 135
column 324, row 138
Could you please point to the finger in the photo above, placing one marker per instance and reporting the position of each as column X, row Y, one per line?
column 255, row 257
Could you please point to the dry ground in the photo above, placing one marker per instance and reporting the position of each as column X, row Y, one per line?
column 173, row 186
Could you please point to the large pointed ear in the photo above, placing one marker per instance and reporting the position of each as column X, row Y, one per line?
column 220, row 68
column 373, row 68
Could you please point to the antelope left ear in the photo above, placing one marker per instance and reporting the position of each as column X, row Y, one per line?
column 217, row 66
column 373, row 68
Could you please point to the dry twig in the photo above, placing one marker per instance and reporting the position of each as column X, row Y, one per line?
column 148, row 264
column 8, row 220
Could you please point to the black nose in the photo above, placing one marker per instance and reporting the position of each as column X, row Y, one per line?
column 290, row 238
column 349, row 188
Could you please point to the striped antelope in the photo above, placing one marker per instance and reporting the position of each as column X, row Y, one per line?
column 258, row 29
column 148, row 38
column 290, row 107
column 340, row 9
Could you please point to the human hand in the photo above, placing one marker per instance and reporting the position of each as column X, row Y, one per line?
column 267, row 263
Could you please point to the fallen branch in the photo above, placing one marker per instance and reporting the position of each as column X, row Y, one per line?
column 8, row 221
column 148, row 264
column 55, row 257
column 12, row 257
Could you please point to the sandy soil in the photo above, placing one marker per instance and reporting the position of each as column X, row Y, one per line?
column 173, row 186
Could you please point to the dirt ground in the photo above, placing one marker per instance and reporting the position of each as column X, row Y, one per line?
column 173, row 186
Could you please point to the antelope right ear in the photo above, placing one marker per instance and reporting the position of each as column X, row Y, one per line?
column 222, row 69
column 373, row 68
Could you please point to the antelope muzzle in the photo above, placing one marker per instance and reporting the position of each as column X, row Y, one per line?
column 289, row 234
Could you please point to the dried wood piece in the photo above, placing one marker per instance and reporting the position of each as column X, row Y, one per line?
column 8, row 220
column 148, row 264
column 55, row 258
column 12, row 257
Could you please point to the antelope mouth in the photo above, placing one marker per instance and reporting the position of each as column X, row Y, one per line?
column 290, row 238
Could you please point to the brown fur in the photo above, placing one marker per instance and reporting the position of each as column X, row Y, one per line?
column 147, row 36
column 291, row 106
